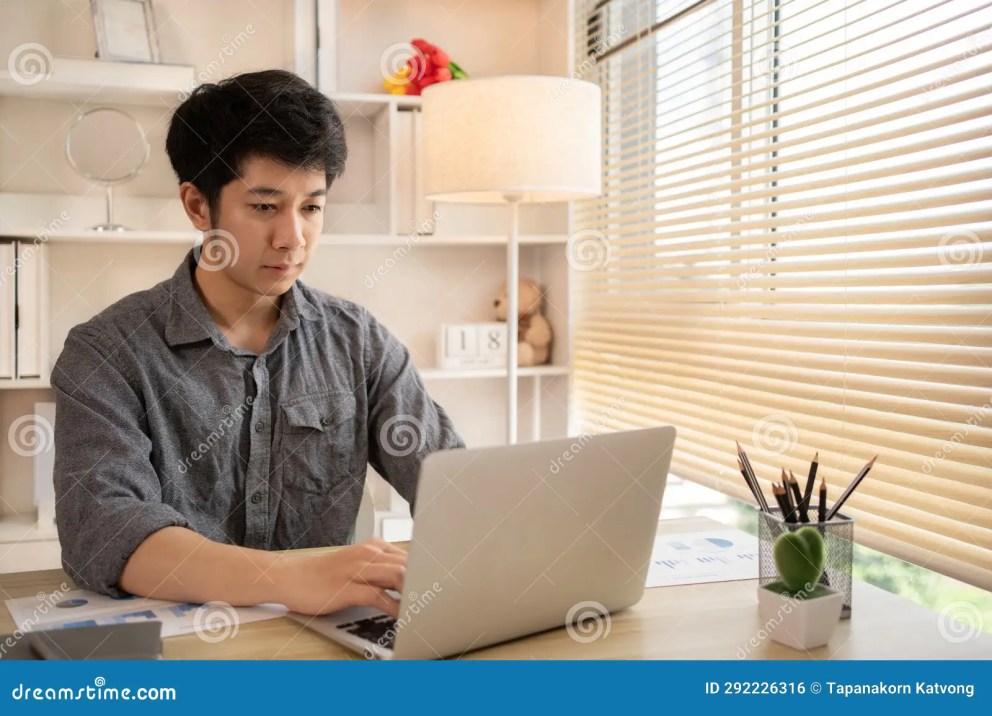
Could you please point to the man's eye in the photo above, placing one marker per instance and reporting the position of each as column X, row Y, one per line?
column 314, row 208
column 264, row 208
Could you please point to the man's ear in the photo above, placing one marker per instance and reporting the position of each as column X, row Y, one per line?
column 195, row 204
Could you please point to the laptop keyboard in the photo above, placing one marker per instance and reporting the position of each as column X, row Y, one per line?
column 380, row 630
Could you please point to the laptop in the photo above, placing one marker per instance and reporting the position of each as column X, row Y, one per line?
column 510, row 541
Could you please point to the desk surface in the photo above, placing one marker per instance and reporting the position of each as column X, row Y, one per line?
column 698, row 621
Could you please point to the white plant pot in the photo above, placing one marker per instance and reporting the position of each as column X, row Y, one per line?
column 799, row 623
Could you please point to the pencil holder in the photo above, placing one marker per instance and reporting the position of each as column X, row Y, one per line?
column 838, row 538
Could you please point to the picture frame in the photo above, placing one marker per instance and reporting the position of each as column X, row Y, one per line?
column 125, row 30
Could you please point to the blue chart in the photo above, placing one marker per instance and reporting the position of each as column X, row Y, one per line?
column 694, row 558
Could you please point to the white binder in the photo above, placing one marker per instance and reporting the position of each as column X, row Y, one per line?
column 8, row 301
column 32, row 297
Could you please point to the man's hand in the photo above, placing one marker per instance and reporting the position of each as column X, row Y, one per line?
column 358, row 575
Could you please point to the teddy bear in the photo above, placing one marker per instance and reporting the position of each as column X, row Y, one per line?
column 533, row 331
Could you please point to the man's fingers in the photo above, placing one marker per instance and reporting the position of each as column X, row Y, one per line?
column 388, row 558
column 387, row 576
column 372, row 596
column 384, row 546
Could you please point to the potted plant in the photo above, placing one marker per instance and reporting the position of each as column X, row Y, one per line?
column 797, row 610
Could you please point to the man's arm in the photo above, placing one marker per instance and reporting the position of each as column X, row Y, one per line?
column 118, row 536
column 179, row 564
column 405, row 424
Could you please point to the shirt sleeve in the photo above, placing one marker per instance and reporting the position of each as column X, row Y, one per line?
column 108, row 495
column 405, row 424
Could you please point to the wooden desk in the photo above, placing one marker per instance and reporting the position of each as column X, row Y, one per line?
column 700, row 621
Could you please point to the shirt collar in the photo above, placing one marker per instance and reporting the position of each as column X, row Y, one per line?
column 189, row 321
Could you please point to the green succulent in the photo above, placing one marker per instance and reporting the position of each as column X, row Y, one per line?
column 800, row 557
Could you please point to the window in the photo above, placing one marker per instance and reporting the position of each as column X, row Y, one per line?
column 793, row 251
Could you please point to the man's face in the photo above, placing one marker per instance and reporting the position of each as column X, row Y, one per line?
column 273, row 215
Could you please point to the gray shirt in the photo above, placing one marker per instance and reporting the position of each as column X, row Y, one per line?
column 161, row 421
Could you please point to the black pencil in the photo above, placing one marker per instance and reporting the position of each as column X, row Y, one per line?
column 791, row 517
column 747, row 481
column 778, row 492
column 822, row 508
column 794, row 484
column 756, row 487
column 810, row 482
column 851, row 488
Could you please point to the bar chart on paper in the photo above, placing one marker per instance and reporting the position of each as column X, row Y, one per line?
column 698, row 557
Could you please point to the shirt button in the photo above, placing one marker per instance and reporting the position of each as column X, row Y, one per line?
column 259, row 427
column 256, row 498
column 325, row 421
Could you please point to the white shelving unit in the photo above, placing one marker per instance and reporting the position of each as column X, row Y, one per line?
column 451, row 277
column 102, row 82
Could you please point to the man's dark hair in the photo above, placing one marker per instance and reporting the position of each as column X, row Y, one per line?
column 272, row 113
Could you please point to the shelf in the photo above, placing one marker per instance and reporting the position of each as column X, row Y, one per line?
column 189, row 238
column 540, row 371
column 369, row 104
column 15, row 529
column 104, row 81
column 352, row 240
column 26, row 384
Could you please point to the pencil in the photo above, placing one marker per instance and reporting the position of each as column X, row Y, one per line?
column 756, row 487
column 779, row 494
column 851, row 488
column 822, row 508
column 791, row 517
column 747, row 481
column 794, row 484
column 810, row 482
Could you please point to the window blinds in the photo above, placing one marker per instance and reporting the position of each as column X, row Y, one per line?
column 793, row 250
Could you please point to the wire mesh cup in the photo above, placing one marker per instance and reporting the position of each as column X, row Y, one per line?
column 838, row 538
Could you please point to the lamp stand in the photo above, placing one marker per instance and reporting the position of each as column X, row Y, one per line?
column 512, row 294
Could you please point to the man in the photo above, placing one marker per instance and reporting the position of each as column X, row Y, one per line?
column 231, row 410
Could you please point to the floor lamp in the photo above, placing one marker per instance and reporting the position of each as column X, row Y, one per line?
column 511, row 140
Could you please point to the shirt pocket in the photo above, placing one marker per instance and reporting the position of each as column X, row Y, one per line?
column 318, row 442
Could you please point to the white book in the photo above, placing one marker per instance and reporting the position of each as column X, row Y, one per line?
column 8, row 301
column 32, row 300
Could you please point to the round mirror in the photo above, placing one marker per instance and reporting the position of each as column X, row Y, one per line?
column 109, row 147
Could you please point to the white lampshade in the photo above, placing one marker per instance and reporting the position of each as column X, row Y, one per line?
column 520, row 138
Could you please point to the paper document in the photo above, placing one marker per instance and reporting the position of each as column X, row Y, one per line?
column 709, row 556
column 80, row 607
